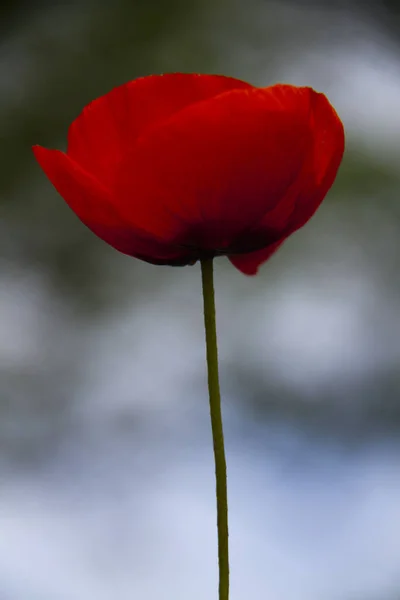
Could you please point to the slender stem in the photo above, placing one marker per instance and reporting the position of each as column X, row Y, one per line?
column 216, row 425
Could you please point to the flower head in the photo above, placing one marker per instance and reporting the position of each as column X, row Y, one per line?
column 175, row 168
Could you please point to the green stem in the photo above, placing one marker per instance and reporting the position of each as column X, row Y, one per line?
column 216, row 425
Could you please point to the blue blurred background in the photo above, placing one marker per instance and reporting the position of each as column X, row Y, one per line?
column 106, row 467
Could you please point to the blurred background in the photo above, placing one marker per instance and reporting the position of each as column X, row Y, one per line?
column 106, row 466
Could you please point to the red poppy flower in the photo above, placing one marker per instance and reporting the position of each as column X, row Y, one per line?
column 175, row 168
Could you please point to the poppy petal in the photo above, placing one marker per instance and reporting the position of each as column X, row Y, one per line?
column 108, row 127
column 214, row 169
column 303, row 199
column 249, row 263
column 328, row 149
column 92, row 203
